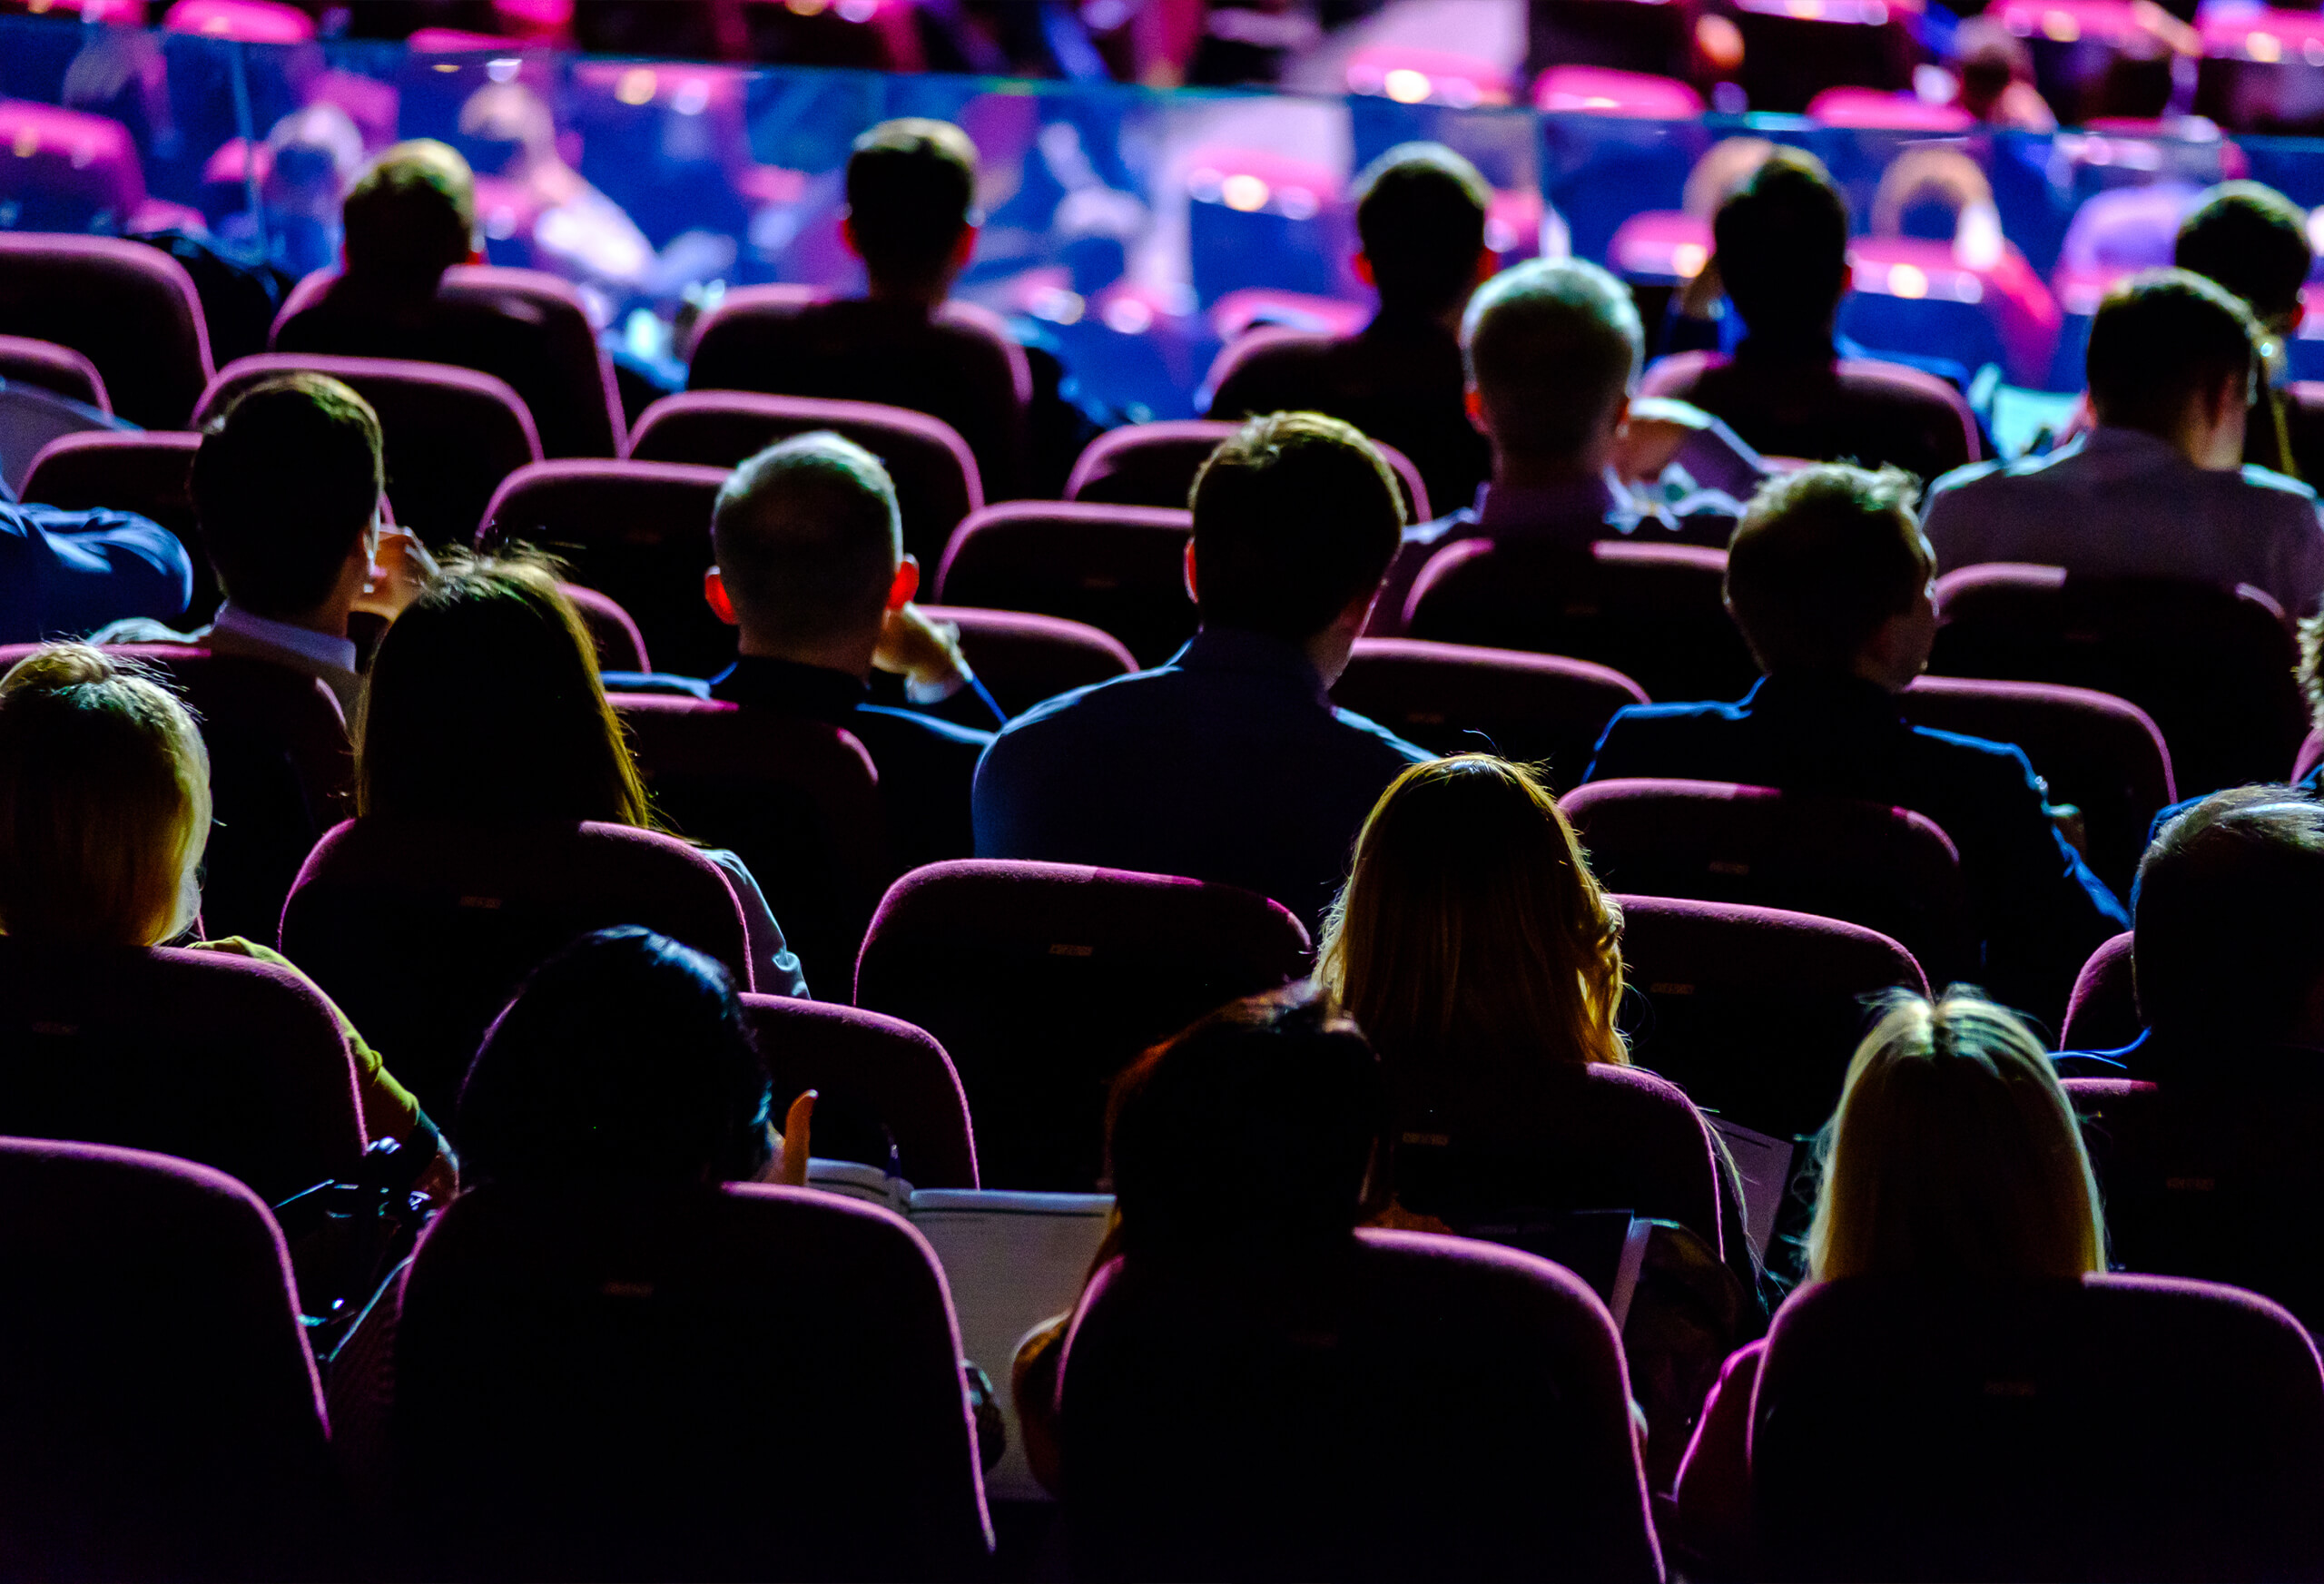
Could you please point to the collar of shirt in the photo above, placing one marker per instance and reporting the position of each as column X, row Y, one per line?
column 812, row 691
column 1528, row 511
column 1249, row 653
column 320, row 647
column 1825, row 694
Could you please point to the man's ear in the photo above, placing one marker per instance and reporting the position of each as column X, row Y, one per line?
column 713, row 592
column 1847, row 278
column 1488, row 265
column 847, row 236
column 1474, row 400
column 906, row 583
column 1191, row 594
column 964, row 248
column 1362, row 261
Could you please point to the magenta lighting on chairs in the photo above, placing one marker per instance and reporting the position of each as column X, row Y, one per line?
column 2112, row 1427
column 1947, row 428
column 1153, row 464
column 1044, row 979
column 1603, row 91
column 129, row 309
column 1118, row 568
column 421, row 931
column 879, row 1081
column 1873, row 108
column 2104, row 1014
column 150, row 474
column 61, row 369
column 1022, row 658
column 1455, row 698
column 714, row 1383
column 243, row 21
column 1916, row 274
column 619, row 645
column 2311, row 754
column 194, row 1448
column 1229, row 1418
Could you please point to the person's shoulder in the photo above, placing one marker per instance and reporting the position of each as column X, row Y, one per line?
column 890, row 718
column 1084, row 707
column 1992, row 765
column 1676, row 716
column 2281, row 490
column 1971, row 477
column 1371, row 736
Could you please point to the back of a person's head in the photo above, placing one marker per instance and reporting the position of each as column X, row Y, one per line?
column 2229, row 918
column 624, row 1057
column 1297, row 516
column 485, row 703
column 1955, row 1156
column 2161, row 340
column 1263, row 1120
column 1472, row 928
column 1420, row 209
column 1552, row 346
column 1821, row 560
column 286, row 484
column 1783, row 246
column 911, row 187
column 808, row 538
column 104, row 802
column 411, row 216
column 2252, row 240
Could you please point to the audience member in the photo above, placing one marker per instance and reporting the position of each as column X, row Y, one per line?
column 410, row 218
column 105, row 814
column 1781, row 254
column 1552, row 349
column 1420, row 209
column 1229, row 762
column 911, row 218
column 1954, row 1158
column 2252, row 241
column 2159, row 487
column 1996, row 77
column 67, row 573
column 1832, row 584
column 540, row 744
column 812, row 570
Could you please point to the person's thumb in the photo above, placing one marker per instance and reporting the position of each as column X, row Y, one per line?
column 798, row 1123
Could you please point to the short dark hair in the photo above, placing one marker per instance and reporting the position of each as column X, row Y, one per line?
column 1783, row 245
column 808, row 537
column 1420, row 209
column 623, row 1057
column 1552, row 346
column 411, row 216
column 1267, row 1117
column 911, row 186
column 2228, row 916
column 285, row 485
column 1296, row 516
column 2252, row 240
column 2160, row 339
column 1821, row 559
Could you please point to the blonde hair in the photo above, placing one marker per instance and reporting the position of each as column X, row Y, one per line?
column 1954, row 1155
column 1472, row 928
column 104, row 802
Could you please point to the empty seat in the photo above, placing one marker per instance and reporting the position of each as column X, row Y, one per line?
column 1233, row 1418
column 1118, row 568
column 637, row 532
column 1655, row 612
column 735, row 1382
column 160, row 1417
column 52, row 367
column 1754, row 1012
column 2212, row 669
column 2104, row 1014
column 1022, row 658
column 150, row 474
column 619, row 645
column 1044, row 979
column 1455, row 698
column 937, row 483
column 451, row 435
column 129, row 309
column 420, row 932
column 1155, row 463
column 2111, row 1428
column 879, row 1081
column 2101, row 755
column 1889, row 870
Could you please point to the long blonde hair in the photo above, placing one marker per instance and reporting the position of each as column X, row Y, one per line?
column 1472, row 928
column 1954, row 1155
column 104, row 802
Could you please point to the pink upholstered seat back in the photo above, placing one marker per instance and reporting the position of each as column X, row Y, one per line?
column 1155, row 463
column 879, row 1081
column 129, row 309
column 52, row 367
column 1455, row 698
column 1022, row 658
column 1118, row 568
column 2104, row 1014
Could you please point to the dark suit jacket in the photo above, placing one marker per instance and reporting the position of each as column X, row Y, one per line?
column 2041, row 910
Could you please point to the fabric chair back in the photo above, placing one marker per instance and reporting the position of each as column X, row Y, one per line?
column 421, row 931
column 1022, row 658
column 1044, row 980
column 2110, row 1428
column 727, row 1383
column 451, row 435
column 129, row 309
column 1655, row 612
column 1118, row 568
column 2104, row 1014
column 1155, row 463
column 613, row 633
column 1452, row 698
column 1232, row 1418
column 879, row 1081
column 53, row 367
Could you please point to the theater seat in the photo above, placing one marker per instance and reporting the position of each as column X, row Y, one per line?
column 879, row 1081
column 2116, row 1427
column 2104, row 1014
column 129, row 309
column 1044, row 979
column 1754, row 1012
column 451, row 435
column 620, row 647
column 60, row 369
column 1155, row 463
column 1118, row 568
column 1455, row 698
column 1232, row 1418
column 135, row 1446
column 421, row 931
column 1022, row 658
column 714, row 1383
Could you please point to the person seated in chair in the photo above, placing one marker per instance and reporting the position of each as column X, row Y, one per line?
column 911, row 218
column 1228, row 762
column 1832, row 584
column 2159, row 488
column 2252, row 241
